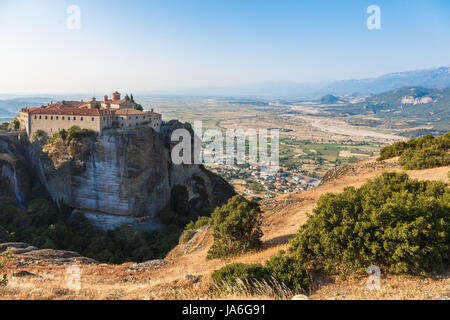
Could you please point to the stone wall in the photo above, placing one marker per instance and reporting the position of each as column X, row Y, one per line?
column 51, row 124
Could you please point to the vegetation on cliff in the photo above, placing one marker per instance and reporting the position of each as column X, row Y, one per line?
column 42, row 225
column 4, row 258
column 420, row 153
column 73, row 133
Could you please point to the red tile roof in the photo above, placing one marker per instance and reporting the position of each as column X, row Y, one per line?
column 68, row 111
column 81, row 108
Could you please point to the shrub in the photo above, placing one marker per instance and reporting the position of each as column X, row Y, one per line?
column 191, row 228
column 420, row 153
column 76, row 133
column 236, row 228
column 201, row 221
column 38, row 134
column 399, row 224
column 280, row 270
column 289, row 271
column 429, row 157
column 5, row 256
column 4, row 126
column 247, row 273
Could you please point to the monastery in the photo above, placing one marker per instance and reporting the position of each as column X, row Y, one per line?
column 94, row 115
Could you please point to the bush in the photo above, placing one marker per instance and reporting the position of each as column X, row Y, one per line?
column 280, row 269
column 399, row 224
column 77, row 134
column 5, row 256
column 289, row 271
column 420, row 153
column 4, row 126
column 191, row 228
column 236, row 228
column 247, row 273
column 429, row 157
column 38, row 134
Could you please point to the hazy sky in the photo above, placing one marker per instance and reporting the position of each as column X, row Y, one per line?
column 141, row 46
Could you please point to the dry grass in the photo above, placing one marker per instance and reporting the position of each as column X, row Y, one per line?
column 283, row 217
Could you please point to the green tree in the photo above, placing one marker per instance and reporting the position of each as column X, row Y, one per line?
column 397, row 223
column 236, row 228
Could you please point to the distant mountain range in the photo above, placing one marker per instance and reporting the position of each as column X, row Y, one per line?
column 416, row 104
column 330, row 99
column 407, row 101
column 429, row 78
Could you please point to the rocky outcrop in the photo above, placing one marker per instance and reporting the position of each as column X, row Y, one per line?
column 28, row 255
column 149, row 265
column 125, row 173
column 15, row 183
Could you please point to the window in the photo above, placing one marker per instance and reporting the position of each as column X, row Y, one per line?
column 51, row 118
column 136, row 117
column 35, row 117
column 74, row 118
column 45, row 117
column 129, row 118
column 81, row 118
column 92, row 119
column 56, row 117
column 68, row 118
column 62, row 117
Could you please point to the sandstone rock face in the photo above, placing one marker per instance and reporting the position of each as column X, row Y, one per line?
column 15, row 184
column 126, row 173
column 28, row 255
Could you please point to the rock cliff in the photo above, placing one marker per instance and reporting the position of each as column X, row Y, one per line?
column 121, row 173
column 15, row 184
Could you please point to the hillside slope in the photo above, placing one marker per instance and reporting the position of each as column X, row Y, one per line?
column 425, row 106
column 185, row 273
